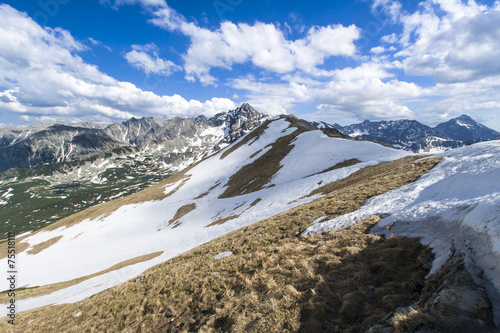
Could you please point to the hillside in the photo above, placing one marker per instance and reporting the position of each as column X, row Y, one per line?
column 268, row 282
column 197, row 258
column 273, row 169
column 268, row 279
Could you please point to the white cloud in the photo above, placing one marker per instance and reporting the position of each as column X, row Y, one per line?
column 462, row 50
column 243, row 43
column 146, row 59
column 42, row 76
column 367, row 91
column 390, row 39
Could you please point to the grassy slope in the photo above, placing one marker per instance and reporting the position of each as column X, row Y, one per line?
column 274, row 281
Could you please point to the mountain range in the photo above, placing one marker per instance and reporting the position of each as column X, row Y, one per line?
column 414, row 136
column 192, row 137
column 178, row 139
column 53, row 170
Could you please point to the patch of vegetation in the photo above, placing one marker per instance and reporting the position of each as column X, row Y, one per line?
column 42, row 195
column 184, row 210
column 343, row 164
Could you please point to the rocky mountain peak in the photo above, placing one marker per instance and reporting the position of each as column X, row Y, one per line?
column 466, row 129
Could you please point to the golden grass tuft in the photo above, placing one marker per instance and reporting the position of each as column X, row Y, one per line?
column 182, row 211
column 42, row 246
column 410, row 320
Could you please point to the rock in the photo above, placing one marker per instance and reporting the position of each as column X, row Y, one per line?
column 168, row 313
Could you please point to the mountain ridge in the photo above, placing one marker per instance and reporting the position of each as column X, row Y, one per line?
column 49, row 143
column 414, row 136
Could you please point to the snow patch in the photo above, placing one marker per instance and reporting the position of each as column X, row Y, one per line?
column 223, row 255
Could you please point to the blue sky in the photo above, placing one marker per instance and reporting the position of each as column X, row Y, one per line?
column 338, row 61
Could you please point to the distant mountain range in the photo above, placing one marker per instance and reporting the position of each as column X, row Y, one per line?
column 172, row 142
column 415, row 136
column 165, row 141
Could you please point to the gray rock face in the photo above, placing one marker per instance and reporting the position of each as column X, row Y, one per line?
column 56, row 143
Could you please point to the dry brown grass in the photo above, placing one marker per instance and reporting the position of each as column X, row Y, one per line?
column 42, row 246
column 410, row 320
column 222, row 221
column 184, row 210
column 380, row 173
column 20, row 247
column 274, row 281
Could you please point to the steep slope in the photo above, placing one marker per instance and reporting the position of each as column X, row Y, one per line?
column 455, row 208
column 263, row 278
column 203, row 202
column 465, row 129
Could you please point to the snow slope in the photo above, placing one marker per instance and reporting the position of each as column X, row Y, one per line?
column 134, row 230
column 454, row 207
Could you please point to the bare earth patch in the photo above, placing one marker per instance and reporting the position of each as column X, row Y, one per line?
column 222, row 221
column 343, row 164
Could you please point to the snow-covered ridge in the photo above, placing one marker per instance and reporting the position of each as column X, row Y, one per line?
column 454, row 207
column 150, row 227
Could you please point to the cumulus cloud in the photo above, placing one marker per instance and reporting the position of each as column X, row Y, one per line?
column 42, row 76
column 456, row 43
column 368, row 91
column 461, row 50
column 243, row 43
column 146, row 59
